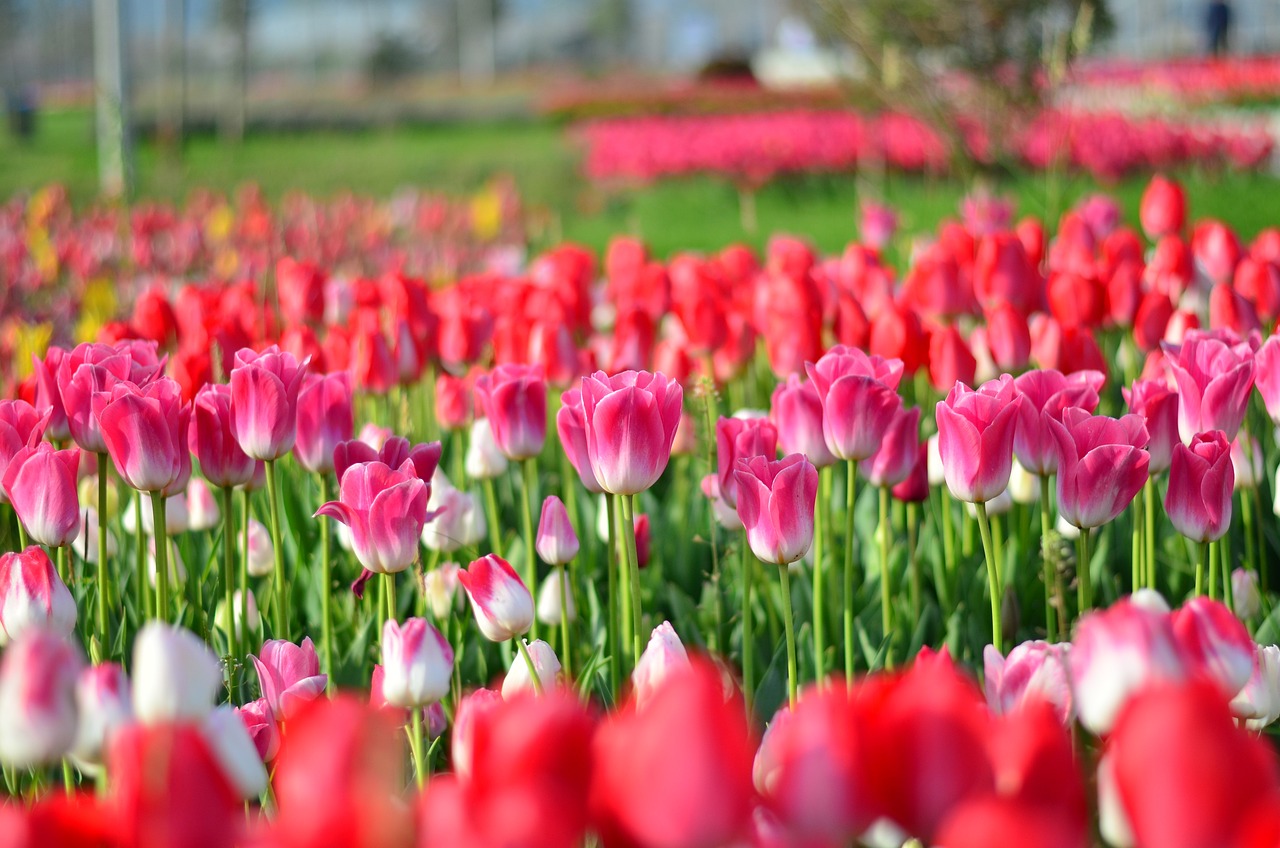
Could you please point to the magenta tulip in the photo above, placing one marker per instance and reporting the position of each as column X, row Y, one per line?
column 78, row 385
column 264, row 401
column 776, row 505
column 557, row 543
column 571, row 425
column 210, row 440
column 394, row 452
column 1201, row 481
column 20, row 427
column 385, row 509
column 324, row 420
column 499, row 598
column 1102, row 465
column 740, row 438
column 33, row 596
column 1033, row 671
column 145, row 430
column 1158, row 406
column 514, row 399
column 1214, row 379
column 1266, row 376
column 1045, row 394
column 40, row 482
column 631, row 420
column 859, row 399
column 975, row 438
column 289, row 676
column 893, row 462
column 796, row 410
column 48, row 396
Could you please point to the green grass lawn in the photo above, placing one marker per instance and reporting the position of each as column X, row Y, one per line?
column 696, row 213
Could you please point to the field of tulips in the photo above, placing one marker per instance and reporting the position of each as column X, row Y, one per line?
column 734, row 550
column 1234, row 80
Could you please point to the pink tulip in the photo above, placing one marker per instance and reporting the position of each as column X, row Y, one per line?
column 1201, row 482
column 664, row 654
column 776, row 505
column 1102, row 465
column 975, row 438
column 514, row 399
column 393, row 452
column 1158, row 406
column 20, row 427
column 417, row 664
column 893, row 462
column 499, row 598
column 263, row 730
column 557, row 543
column 385, row 509
column 105, row 706
column 32, row 595
column 145, row 430
column 740, row 438
column 264, row 401
column 1214, row 379
column 796, row 410
column 81, row 376
column 631, row 420
column 37, row 698
column 48, row 396
column 1266, row 376
column 571, row 425
column 1215, row 641
column 1045, row 394
column 1115, row 654
column 324, row 420
column 40, row 482
column 288, row 676
column 859, row 399
column 1032, row 671
column 209, row 439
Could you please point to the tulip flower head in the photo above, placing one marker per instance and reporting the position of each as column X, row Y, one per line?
column 630, row 421
column 209, row 437
column 20, row 427
column 32, row 596
column 176, row 676
column 289, row 676
column 40, row 482
column 859, row 399
column 417, row 663
column 38, row 676
column 518, row 678
column 776, row 506
column 664, row 655
column 976, row 430
column 1102, row 465
column 502, row 603
column 514, row 400
column 1214, row 378
column 324, row 420
column 1201, row 481
column 145, row 431
column 556, row 544
column 104, row 705
column 385, row 509
column 264, row 401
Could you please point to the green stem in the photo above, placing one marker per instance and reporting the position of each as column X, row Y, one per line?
column 821, row 530
column 1246, row 513
column 1046, row 528
column 140, row 555
column 913, row 561
column 993, row 575
column 1214, row 550
column 393, row 608
column 68, row 778
column 1149, row 534
column 1084, row 573
column 948, row 534
column 491, row 514
column 528, row 662
column 1224, row 562
column 1201, row 565
column 633, row 569
column 228, row 584
column 748, row 626
column 792, row 673
column 244, row 570
column 886, row 587
column 419, row 748
column 612, row 641
column 1136, row 554
column 566, row 646
column 326, row 591
column 851, row 497
column 530, row 469
column 279, row 591
column 103, row 626
column 162, row 555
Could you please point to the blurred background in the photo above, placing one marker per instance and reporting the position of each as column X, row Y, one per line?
column 690, row 122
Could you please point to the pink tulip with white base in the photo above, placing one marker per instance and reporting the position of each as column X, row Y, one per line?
column 37, row 698
column 32, row 595
column 417, row 663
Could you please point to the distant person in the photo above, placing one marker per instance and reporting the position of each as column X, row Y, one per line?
column 21, row 106
column 1218, row 24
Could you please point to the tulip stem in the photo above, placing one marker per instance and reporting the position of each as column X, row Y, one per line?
column 748, row 630
column 1149, row 537
column 491, row 513
column 326, row 588
column 993, row 575
column 279, row 593
column 851, row 498
column 633, row 569
column 566, row 647
column 22, row 532
column 1214, row 556
column 244, row 568
column 144, row 587
column 419, row 748
column 530, row 469
column 612, row 641
column 1201, row 565
column 1046, row 528
column 393, row 608
column 68, row 777
column 1084, row 573
column 103, row 472
column 886, row 587
column 913, row 561
column 821, row 529
column 1246, row 512
column 228, row 584
column 528, row 662
column 948, row 534
column 787, row 619
column 161, row 533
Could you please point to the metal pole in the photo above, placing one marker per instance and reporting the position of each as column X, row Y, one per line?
column 115, row 149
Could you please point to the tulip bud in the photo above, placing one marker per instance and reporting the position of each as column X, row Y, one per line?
column 1212, row 638
column 104, row 705
column 544, row 661
column 202, row 507
column 238, row 601
column 289, row 676
column 664, row 654
column 556, row 593
column 458, row 520
column 264, row 401
column 440, row 585
column 557, row 544
column 776, row 506
column 37, row 698
column 514, row 401
column 32, row 596
column 261, row 559
column 176, row 676
column 40, row 482
column 499, row 598
column 1247, row 463
column 1033, row 670
column 235, row 750
column 1201, row 481
column 262, row 728
column 1245, row 599
column 1259, row 701
column 417, row 663
column 483, row 461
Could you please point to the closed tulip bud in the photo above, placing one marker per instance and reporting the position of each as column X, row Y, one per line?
column 201, row 506
column 20, row 427
column 289, row 676
column 571, row 426
column 176, row 676
column 484, row 461
column 48, row 399
column 385, row 510
column 892, row 463
column 1008, row 337
column 1214, row 379
column 463, row 741
column 1246, row 462
column 86, row 543
column 1246, row 601
column 37, row 698
column 1032, row 671
column 324, row 420
column 545, row 663
column 1201, row 482
column 441, row 586
column 453, row 401
column 264, row 401
column 557, row 544
column 1164, row 208
column 664, row 654
column 231, row 745
column 1102, row 465
column 514, row 400
column 1158, row 406
column 1215, row 641
column 915, row 489
column 555, row 594
column 87, row 371
column 32, row 596
column 1115, row 654
column 262, row 727
column 417, row 663
column 776, row 506
column 740, row 438
column 796, row 411
column 103, row 705
column 859, row 399
column 950, row 359
column 499, row 598
column 41, row 484
column 1258, row 703
column 223, row 617
column 630, row 421
column 975, row 438
column 209, row 438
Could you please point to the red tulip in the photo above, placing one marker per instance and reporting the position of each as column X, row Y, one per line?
column 1152, row 320
column 1201, row 482
column 371, row 365
column 1008, row 336
column 40, row 482
column 1228, row 310
column 300, row 291
column 1164, row 208
column 209, row 438
column 950, row 359
column 1259, row 283
column 896, row 333
column 976, row 431
column 1214, row 640
column 1003, row 272
column 1077, row 301
column 453, row 401
column 514, row 399
column 1217, row 251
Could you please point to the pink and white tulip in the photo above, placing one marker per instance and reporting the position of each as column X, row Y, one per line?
column 289, row 676
column 33, row 596
column 630, row 420
column 264, row 401
column 502, row 603
column 417, row 663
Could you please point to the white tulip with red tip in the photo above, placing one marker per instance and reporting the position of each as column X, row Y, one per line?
column 37, row 698
column 104, row 705
column 417, row 664
column 1113, row 822
column 33, row 596
column 1246, row 601
column 1214, row 640
column 261, row 553
column 202, row 507
column 556, row 592
column 1258, row 703
column 518, row 678
column 235, row 751
column 1033, row 670
column 442, row 589
column 499, row 598
column 176, row 677
column 664, row 654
